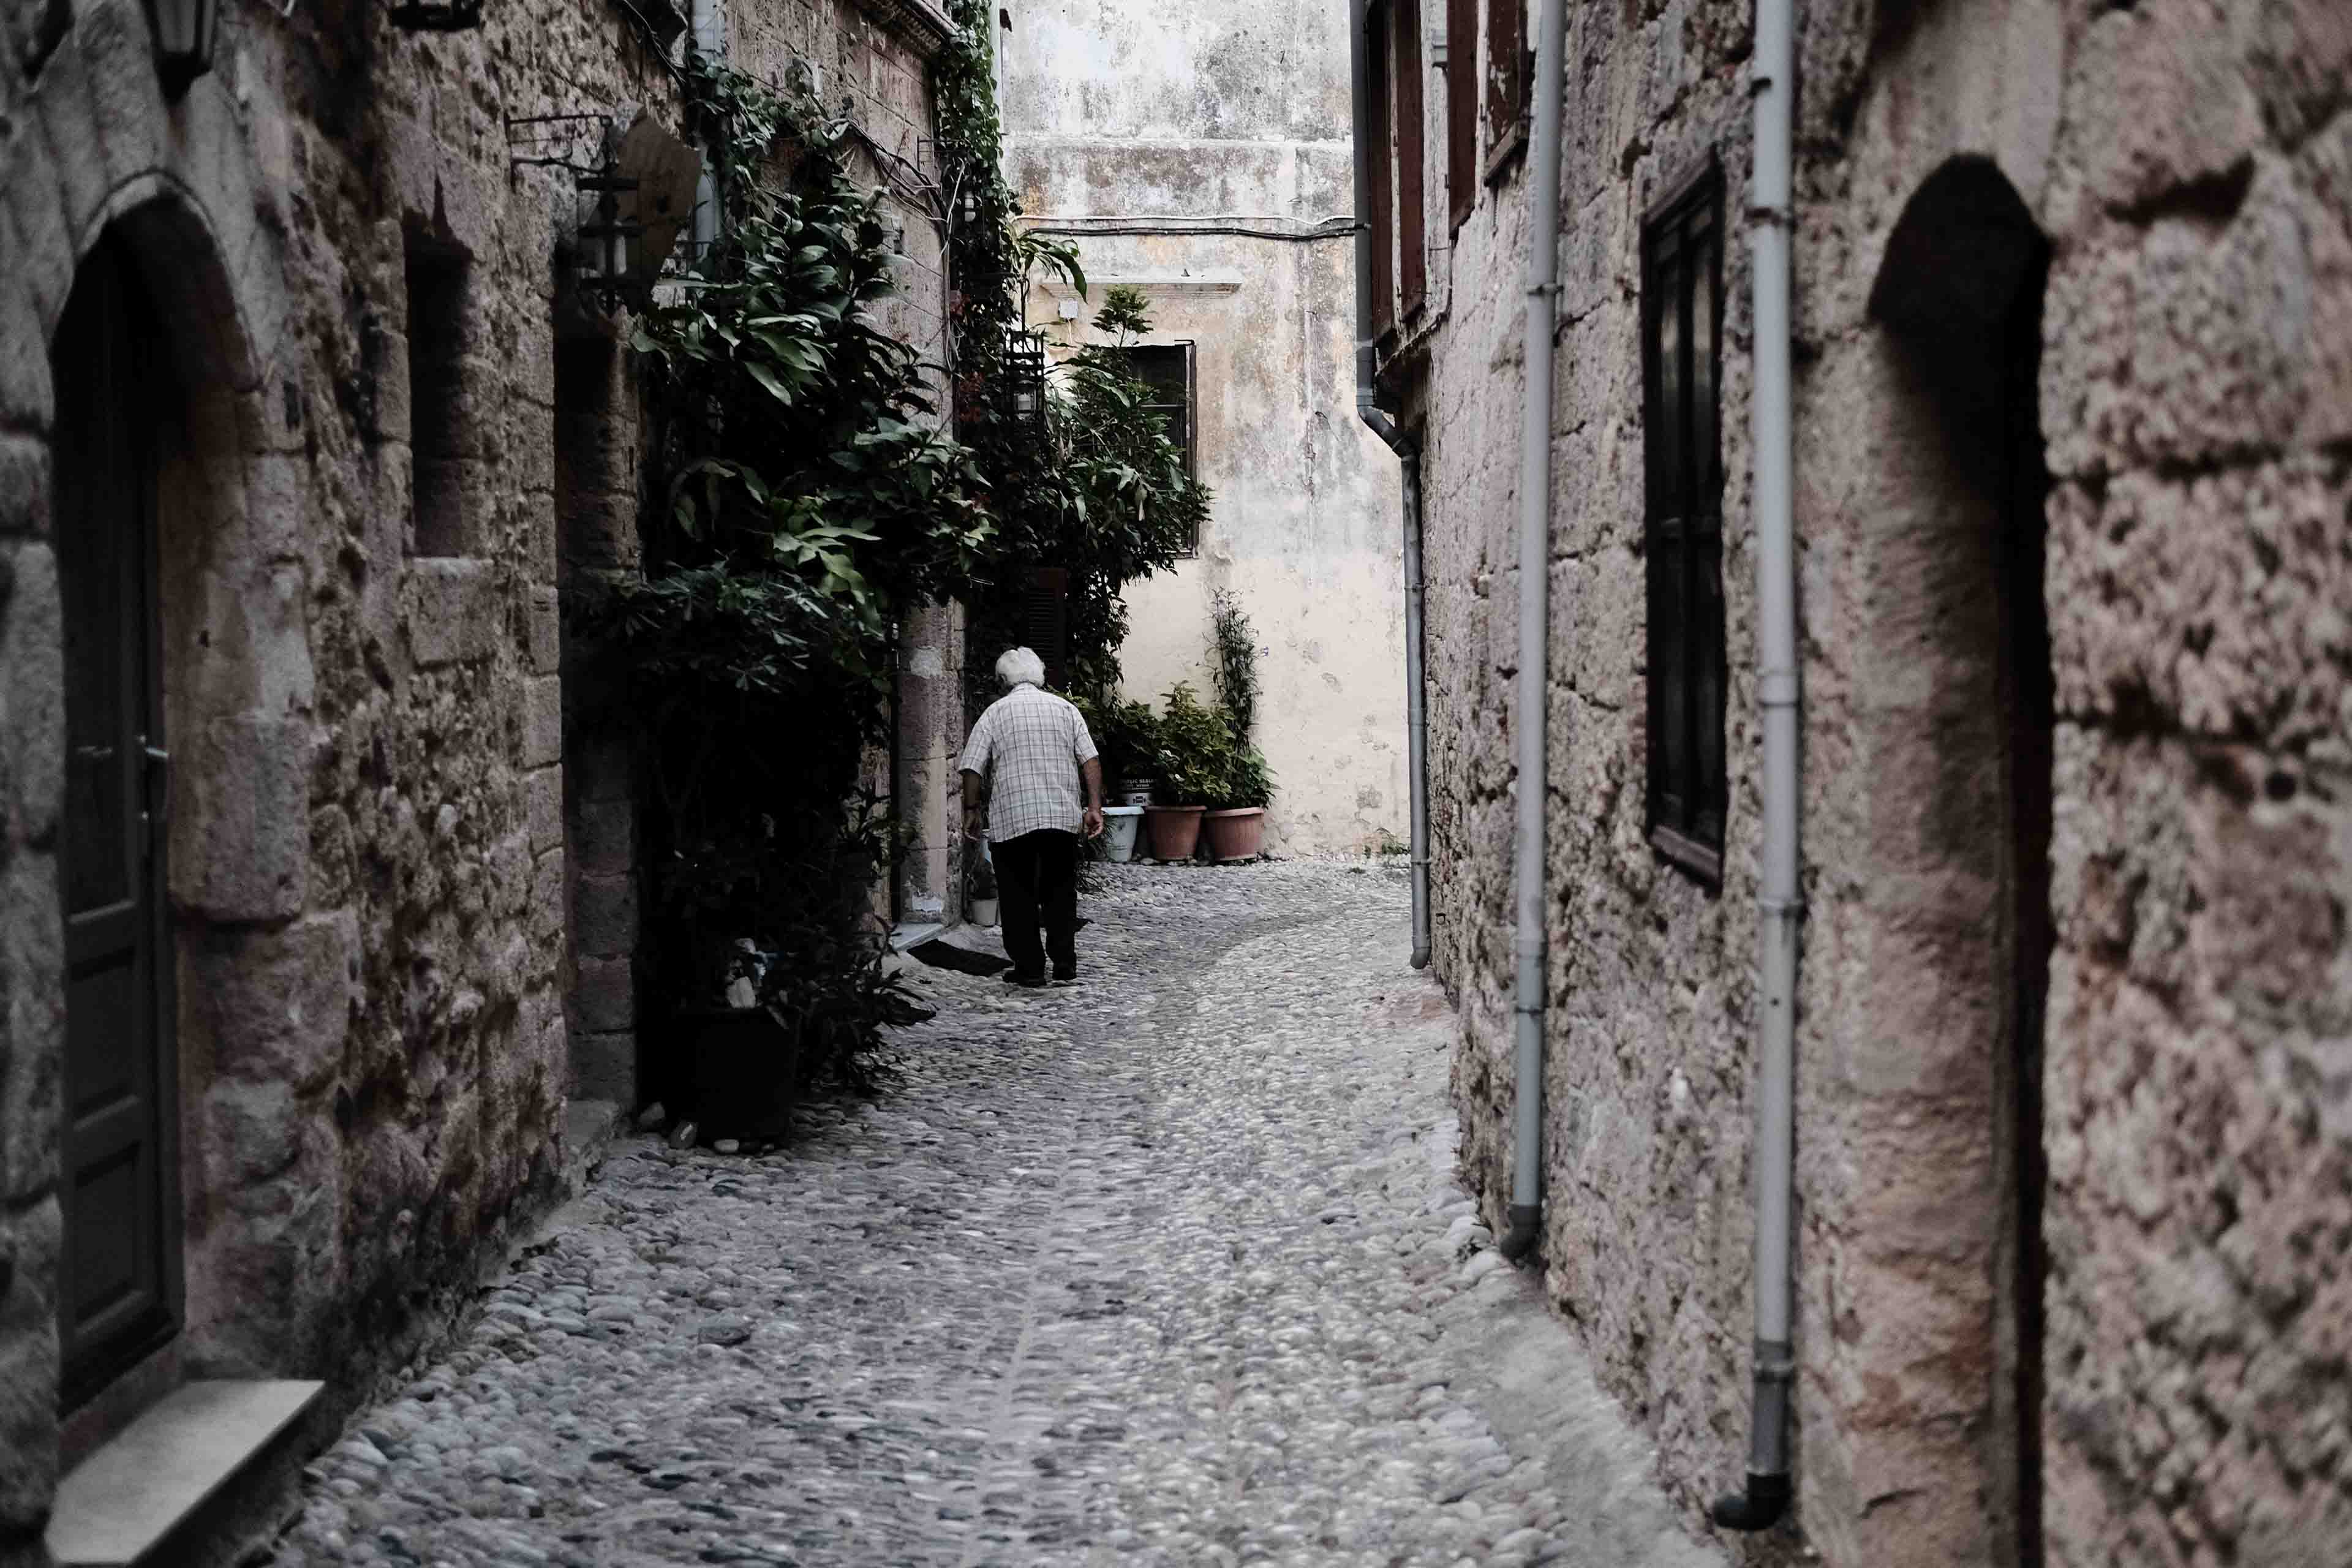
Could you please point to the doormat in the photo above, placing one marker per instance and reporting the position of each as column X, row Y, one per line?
column 948, row 956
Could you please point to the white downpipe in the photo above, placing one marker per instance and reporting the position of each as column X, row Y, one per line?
column 1368, row 410
column 707, row 35
column 1534, row 626
column 1416, row 709
column 1780, row 906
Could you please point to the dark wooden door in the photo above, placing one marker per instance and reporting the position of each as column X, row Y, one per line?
column 118, row 1290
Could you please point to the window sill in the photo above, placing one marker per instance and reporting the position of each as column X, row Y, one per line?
column 1681, row 850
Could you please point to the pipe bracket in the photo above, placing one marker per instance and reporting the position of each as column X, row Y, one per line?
column 1778, row 688
column 1793, row 907
column 1776, row 1361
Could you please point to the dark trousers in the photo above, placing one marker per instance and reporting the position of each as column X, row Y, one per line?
column 1037, row 878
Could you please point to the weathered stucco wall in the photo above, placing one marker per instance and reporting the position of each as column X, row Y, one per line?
column 2186, row 164
column 1170, row 117
column 369, row 880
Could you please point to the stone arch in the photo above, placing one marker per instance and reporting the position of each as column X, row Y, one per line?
column 1954, row 719
column 99, row 152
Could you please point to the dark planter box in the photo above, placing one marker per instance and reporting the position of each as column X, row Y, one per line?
column 746, row 1072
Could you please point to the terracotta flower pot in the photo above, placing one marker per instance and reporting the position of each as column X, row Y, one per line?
column 1236, row 835
column 1174, row 829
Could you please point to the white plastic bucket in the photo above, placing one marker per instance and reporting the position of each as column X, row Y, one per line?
column 1120, row 823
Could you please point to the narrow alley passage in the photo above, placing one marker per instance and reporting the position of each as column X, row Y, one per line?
column 1166, row 1268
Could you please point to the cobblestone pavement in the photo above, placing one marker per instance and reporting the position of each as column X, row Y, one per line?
column 1166, row 1268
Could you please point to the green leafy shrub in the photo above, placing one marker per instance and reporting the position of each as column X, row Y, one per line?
column 799, row 502
column 1127, row 736
column 1196, row 744
column 1246, row 781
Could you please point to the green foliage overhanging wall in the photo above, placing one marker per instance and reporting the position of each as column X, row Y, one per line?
column 799, row 502
column 1097, row 487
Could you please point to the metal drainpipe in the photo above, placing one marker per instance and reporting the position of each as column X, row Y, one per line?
column 1416, row 707
column 1780, row 906
column 1535, row 629
column 707, row 35
column 1368, row 409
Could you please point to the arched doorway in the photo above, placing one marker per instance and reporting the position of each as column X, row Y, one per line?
column 1959, row 295
column 120, row 1287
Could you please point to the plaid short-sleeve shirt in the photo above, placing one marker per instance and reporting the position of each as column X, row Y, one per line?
column 1029, row 745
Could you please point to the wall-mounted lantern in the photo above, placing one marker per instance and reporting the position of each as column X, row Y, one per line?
column 183, row 40
column 1024, row 376
column 636, row 191
column 601, row 261
column 437, row 16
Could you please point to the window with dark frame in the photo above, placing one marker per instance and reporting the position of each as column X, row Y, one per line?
column 1167, row 369
column 436, row 404
column 1461, row 109
column 1507, row 70
column 1682, row 296
column 1412, row 223
column 1377, row 138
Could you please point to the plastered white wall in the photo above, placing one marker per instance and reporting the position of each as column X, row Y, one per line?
column 1121, row 115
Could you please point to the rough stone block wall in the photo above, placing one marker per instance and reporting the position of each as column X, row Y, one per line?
column 591, row 866
column 2186, row 164
column 2198, row 395
column 369, row 885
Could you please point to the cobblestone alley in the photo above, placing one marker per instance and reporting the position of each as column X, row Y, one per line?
column 1166, row 1268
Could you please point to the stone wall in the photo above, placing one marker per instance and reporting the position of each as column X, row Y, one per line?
column 398, row 853
column 1139, row 131
column 2185, row 166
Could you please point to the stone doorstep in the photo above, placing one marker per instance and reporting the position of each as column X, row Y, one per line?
column 117, row 1505
column 913, row 934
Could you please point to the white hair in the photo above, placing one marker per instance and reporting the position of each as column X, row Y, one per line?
column 1020, row 666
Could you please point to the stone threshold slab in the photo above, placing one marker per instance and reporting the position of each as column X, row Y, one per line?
column 117, row 1504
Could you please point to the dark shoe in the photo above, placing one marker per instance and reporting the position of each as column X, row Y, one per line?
column 1026, row 982
column 1066, row 978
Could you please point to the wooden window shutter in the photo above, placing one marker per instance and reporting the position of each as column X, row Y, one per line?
column 1377, row 137
column 1507, row 70
column 1462, row 75
column 1045, row 621
column 1412, row 244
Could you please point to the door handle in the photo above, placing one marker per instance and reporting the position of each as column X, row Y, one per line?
column 158, row 769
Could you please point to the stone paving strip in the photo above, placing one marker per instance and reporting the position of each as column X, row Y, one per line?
column 1165, row 1268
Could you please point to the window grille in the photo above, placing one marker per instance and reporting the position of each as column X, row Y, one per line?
column 439, row 443
column 1168, row 371
column 1682, row 296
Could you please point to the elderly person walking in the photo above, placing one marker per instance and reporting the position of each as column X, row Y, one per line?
column 1027, row 759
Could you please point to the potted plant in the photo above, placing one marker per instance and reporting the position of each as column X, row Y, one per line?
column 1195, row 739
column 1236, row 820
column 1127, row 734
